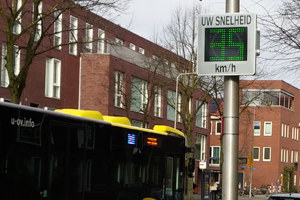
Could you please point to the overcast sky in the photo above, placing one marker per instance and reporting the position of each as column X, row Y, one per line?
column 144, row 17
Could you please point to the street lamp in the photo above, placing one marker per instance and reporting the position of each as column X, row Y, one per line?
column 251, row 158
column 176, row 95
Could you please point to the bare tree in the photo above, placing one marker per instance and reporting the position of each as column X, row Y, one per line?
column 281, row 38
column 27, row 26
column 180, row 37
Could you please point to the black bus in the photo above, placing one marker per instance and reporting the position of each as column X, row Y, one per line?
column 82, row 155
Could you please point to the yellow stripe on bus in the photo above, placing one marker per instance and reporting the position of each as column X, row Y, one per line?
column 167, row 129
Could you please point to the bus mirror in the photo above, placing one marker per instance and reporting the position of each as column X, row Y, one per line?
column 191, row 165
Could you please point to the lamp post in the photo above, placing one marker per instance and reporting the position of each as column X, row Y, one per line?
column 251, row 158
column 176, row 94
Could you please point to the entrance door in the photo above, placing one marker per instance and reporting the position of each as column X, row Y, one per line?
column 174, row 178
column 66, row 154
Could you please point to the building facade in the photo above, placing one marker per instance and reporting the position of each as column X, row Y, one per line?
column 268, row 132
column 94, row 64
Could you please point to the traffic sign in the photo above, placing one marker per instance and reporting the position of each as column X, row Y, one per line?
column 227, row 44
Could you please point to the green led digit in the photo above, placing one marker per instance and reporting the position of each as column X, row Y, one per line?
column 221, row 44
column 236, row 44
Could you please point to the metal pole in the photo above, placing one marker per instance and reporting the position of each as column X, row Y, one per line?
column 230, row 127
column 251, row 164
column 176, row 96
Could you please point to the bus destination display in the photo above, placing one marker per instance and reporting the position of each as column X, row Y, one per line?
column 226, row 44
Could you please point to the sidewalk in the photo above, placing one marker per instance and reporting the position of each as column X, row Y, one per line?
column 198, row 197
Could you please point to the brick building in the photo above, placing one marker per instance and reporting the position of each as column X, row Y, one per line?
column 103, row 67
column 269, row 122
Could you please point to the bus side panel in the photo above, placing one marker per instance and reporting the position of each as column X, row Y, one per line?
column 21, row 154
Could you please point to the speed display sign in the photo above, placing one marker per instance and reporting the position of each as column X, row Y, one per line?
column 227, row 44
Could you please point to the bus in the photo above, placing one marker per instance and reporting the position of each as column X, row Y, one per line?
column 73, row 154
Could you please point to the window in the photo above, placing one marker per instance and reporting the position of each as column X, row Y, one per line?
column 119, row 41
column 157, row 102
column 287, row 156
column 282, row 129
column 118, row 89
column 57, row 29
column 200, row 146
column 268, row 129
column 256, row 128
column 292, row 156
column 73, row 35
column 201, row 114
column 132, row 46
column 281, row 155
column 171, row 106
column 139, row 95
column 218, row 127
column 256, row 153
column 17, row 22
column 138, row 123
column 38, row 31
column 16, row 64
column 53, row 72
column 267, row 154
column 142, row 51
column 295, row 156
column 214, row 155
column 89, row 37
column 100, row 44
column 267, row 97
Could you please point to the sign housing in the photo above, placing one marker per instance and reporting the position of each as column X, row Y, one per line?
column 227, row 44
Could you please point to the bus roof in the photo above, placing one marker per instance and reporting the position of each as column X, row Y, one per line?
column 122, row 122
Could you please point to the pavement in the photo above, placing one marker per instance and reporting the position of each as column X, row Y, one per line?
column 256, row 197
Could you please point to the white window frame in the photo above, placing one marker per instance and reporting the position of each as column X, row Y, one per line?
column 211, row 159
column 138, row 123
column 281, row 155
column 53, row 78
column 141, row 50
column 132, row 46
column 264, row 159
column 292, row 156
column 265, row 124
column 57, row 40
column 119, row 41
column 73, row 36
column 89, row 37
column 16, row 63
column 282, row 129
column 254, row 129
column 201, row 114
column 295, row 156
column 39, row 30
column 17, row 24
column 287, row 156
column 256, row 159
column 100, row 44
column 178, row 107
column 171, row 101
column 157, row 101
column 200, row 141
column 139, row 87
column 118, row 101
column 216, row 128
